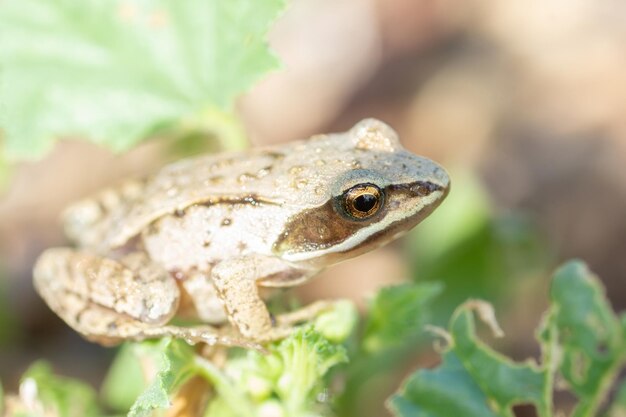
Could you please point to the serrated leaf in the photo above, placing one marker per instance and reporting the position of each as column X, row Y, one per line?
column 589, row 333
column 177, row 366
column 504, row 383
column 581, row 337
column 116, row 71
column 472, row 377
column 447, row 391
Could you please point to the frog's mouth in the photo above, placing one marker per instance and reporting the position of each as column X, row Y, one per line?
column 320, row 236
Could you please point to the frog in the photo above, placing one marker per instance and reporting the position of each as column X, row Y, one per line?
column 208, row 239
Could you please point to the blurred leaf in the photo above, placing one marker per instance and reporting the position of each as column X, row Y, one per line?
column 461, row 216
column 124, row 381
column 397, row 315
column 176, row 367
column 117, row 71
column 392, row 331
column 474, row 252
column 590, row 335
column 58, row 396
column 337, row 324
column 209, row 131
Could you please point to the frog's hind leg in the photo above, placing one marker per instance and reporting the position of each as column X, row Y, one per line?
column 109, row 301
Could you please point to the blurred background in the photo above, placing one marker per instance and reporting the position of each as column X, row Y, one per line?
column 523, row 102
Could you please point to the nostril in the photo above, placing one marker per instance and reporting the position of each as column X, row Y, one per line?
column 424, row 188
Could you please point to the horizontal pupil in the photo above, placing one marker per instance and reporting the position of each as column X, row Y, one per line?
column 365, row 202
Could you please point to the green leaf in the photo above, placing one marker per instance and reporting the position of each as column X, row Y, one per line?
column 462, row 216
column 124, row 381
column 177, row 365
column 397, row 315
column 394, row 327
column 581, row 339
column 293, row 372
column 504, row 382
column 306, row 357
column 448, row 391
column 231, row 397
column 475, row 252
column 589, row 333
column 472, row 377
column 117, row 71
column 59, row 396
column 338, row 323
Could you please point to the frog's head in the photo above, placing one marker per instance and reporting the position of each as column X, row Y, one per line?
column 382, row 192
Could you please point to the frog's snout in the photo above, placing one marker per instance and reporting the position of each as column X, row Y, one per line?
column 436, row 185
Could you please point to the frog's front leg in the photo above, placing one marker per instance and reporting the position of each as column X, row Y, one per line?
column 109, row 301
column 237, row 281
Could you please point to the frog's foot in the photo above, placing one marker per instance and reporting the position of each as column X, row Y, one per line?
column 306, row 313
column 199, row 334
column 284, row 324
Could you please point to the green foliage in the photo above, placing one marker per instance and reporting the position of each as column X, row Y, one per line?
column 125, row 379
column 582, row 341
column 392, row 329
column 338, row 323
column 397, row 316
column 290, row 377
column 590, row 335
column 175, row 367
column 287, row 379
column 116, row 72
column 475, row 252
column 51, row 395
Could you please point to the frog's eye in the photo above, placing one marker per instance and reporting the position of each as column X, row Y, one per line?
column 362, row 201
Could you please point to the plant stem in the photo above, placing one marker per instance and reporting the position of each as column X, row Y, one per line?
column 239, row 403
